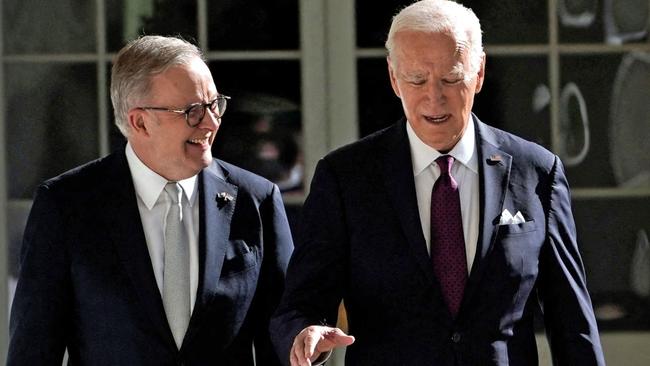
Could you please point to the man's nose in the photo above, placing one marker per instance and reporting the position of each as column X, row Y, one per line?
column 210, row 120
column 435, row 92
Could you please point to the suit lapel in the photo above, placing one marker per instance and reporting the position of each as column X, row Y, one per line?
column 125, row 229
column 217, row 199
column 399, row 183
column 494, row 175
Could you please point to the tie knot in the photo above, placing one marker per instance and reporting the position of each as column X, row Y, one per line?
column 445, row 162
column 174, row 191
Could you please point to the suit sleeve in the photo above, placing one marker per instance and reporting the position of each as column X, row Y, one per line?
column 39, row 314
column 568, row 314
column 278, row 245
column 316, row 274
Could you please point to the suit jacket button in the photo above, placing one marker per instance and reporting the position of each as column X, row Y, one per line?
column 455, row 337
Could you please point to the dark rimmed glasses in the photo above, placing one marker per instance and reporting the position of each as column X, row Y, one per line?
column 194, row 113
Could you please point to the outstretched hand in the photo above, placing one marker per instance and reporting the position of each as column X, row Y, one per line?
column 314, row 340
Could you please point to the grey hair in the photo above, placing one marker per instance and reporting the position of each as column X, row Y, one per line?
column 440, row 16
column 137, row 63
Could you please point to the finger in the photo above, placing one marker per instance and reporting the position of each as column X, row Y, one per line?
column 311, row 341
column 298, row 350
column 293, row 359
column 339, row 338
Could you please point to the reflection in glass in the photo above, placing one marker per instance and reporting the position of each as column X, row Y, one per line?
column 640, row 269
column 610, row 231
column 262, row 130
column 577, row 13
column 51, row 121
column 253, row 24
column 626, row 20
column 594, row 74
column 378, row 105
column 36, row 26
column 128, row 19
column 515, row 103
column 574, row 126
column 630, row 121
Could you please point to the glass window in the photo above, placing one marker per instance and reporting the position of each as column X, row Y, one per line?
column 585, row 100
column 514, row 102
column 613, row 235
column 253, row 24
column 379, row 107
column 511, row 21
column 262, row 129
column 609, row 21
column 128, row 19
column 51, row 121
column 34, row 26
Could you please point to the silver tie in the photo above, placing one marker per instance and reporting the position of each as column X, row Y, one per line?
column 176, row 274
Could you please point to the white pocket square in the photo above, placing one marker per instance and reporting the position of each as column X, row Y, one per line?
column 508, row 219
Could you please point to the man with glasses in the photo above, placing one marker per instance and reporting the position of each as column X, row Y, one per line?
column 157, row 254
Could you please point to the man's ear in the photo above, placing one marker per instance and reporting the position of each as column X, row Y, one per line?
column 136, row 120
column 393, row 76
column 481, row 75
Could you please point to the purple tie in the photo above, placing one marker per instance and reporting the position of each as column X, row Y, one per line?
column 447, row 240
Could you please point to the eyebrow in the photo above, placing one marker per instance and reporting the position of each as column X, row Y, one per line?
column 457, row 71
column 414, row 74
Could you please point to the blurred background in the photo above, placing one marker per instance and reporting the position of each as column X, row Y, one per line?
column 307, row 76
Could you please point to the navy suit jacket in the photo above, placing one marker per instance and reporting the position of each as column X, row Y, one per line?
column 87, row 284
column 361, row 241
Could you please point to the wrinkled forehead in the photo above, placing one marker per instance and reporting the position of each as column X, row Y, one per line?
column 424, row 48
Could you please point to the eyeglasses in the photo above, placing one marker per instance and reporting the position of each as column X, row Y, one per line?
column 194, row 113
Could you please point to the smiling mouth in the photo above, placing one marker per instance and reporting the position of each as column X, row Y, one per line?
column 437, row 119
column 199, row 141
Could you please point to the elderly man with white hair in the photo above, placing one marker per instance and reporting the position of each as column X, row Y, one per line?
column 441, row 234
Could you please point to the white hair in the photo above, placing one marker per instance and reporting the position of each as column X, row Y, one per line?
column 441, row 16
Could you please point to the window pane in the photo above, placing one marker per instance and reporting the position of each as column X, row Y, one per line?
column 51, row 121
column 612, row 21
column 630, row 121
column 261, row 130
column 127, row 19
column 526, row 20
column 378, row 105
column 373, row 20
column 35, row 26
column 511, row 21
column 594, row 164
column 254, row 24
column 613, row 239
column 515, row 97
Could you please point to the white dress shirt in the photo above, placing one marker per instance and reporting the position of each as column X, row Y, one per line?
column 153, row 206
column 464, row 171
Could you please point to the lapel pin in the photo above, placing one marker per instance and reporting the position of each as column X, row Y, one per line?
column 224, row 198
column 494, row 159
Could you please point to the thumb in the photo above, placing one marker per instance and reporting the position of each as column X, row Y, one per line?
column 339, row 338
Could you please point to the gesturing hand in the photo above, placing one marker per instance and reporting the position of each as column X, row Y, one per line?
column 314, row 340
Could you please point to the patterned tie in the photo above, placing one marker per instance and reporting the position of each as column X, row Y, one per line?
column 176, row 274
column 447, row 240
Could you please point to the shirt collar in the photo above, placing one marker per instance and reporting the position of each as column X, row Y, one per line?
column 424, row 155
column 149, row 184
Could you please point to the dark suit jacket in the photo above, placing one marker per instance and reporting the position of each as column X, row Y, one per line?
column 87, row 283
column 361, row 240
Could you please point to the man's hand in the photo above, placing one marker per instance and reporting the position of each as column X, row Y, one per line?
column 314, row 340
